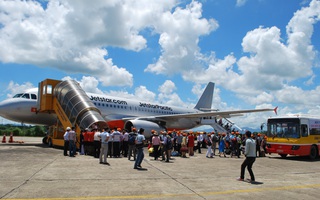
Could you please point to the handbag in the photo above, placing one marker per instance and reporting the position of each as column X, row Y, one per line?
column 184, row 149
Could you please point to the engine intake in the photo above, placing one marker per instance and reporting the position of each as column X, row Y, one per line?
column 146, row 125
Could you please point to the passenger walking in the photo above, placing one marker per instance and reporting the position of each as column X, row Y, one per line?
column 156, row 145
column 139, row 145
column 81, row 146
column 105, row 136
column 125, row 144
column 215, row 140
column 222, row 145
column 184, row 147
column 209, row 144
column 250, row 153
column 190, row 144
column 179, row 141
column 66, row 142
column 96, row 143
column 199, row 141
column 132, row 145
column 116, row 138
column 86, row 141
column 166, row 145
column 72, row 142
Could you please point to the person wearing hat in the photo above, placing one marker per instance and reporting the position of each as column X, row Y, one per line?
column 72, row 141
column 132, row 145
column 156, row 144
column 167, row 146
column 105, row 136
column 140, row 139
column 85, row 141
column 116, row 138
column 66, row 142
column 190, row 143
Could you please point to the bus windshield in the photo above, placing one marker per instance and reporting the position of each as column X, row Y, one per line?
column 284, row 128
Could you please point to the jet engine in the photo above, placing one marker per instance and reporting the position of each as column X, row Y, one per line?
column 146, row 125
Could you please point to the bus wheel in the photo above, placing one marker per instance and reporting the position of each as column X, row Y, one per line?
column 50, row 142
column 283, row 155
column 44, row 140
column 313, row 152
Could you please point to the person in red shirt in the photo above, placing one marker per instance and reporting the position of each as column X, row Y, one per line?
column 90, row 143
column 85, row 141
column 190, row 143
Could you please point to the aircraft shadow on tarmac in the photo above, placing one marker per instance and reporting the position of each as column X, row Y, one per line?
column 27, row 145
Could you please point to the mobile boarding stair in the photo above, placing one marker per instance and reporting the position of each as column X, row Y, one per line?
column 220, row 128
column 73, row 108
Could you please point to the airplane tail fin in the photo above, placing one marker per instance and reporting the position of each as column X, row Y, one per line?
column 205, row 100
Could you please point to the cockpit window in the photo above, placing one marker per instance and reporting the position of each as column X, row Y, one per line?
column 33, row 96
column 17, row 95
column 25, row 96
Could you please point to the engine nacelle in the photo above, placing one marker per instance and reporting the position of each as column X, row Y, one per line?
column 146, row 125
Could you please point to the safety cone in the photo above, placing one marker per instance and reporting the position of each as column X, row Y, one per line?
column 11, row 138
column 4, row 140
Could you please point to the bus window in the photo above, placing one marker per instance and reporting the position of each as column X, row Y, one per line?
column 288, row 128
column 304, row 130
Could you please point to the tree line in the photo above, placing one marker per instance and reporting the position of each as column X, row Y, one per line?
column 22, row 130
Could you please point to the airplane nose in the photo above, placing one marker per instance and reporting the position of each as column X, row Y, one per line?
column 10, row 108
column 4, row 108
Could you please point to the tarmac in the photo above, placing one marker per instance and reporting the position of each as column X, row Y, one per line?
column 31, row 170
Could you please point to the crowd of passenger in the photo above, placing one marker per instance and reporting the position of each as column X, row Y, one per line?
column 163, row 145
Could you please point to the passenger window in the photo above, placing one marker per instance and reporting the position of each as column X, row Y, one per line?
column 304, row 130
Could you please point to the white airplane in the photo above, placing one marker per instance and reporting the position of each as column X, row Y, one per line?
column 126, row 113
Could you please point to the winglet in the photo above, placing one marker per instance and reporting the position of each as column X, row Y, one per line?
column 276, row 110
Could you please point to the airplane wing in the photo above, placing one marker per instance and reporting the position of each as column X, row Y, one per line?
column 221, row 114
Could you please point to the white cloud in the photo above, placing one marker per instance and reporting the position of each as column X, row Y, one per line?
column 168, row 96
column 241, row 3
column 143, row 94
column 15, row 88
column 179, row 36
column 167, row 87
column 271, row 63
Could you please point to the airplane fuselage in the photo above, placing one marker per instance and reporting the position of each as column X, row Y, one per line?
column 113, row 109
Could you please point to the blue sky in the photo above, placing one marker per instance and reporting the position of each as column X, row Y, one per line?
column 260, row 53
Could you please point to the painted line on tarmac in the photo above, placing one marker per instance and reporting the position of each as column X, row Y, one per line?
column 292, row 187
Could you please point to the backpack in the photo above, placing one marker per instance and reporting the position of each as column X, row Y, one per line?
column 169, row 143
column 214, row 138
column 131, row 139
column 209, row 142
